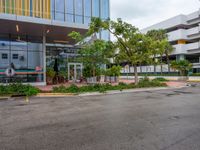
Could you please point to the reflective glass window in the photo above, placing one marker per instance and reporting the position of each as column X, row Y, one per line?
column 104, row 9
column 69, row 6
column 52, row 9
column 95, row 8
column 87, row 11
column 78, row 11
column 59, row 15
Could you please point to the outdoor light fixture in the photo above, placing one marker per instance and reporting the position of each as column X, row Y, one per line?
column 17, row 28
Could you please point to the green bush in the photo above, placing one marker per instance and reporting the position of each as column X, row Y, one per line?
column 114, row 71
column 107, row 87
column 18, row 89
column 50, row 73
column 160, row 79
column 148, row 83
column 195, row 74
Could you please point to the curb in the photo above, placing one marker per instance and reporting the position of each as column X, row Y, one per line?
column 4, row 98
column 130, row 91
column 54, row 94
column 43, row 95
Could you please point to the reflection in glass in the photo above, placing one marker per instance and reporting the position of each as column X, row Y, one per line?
column 87, row 11
column 104, row 9
column 95, row 8
column 59, row 15
column 69, row 6
column 78, row 11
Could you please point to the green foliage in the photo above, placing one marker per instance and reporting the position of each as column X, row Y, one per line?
column 150, row 83
column 195, row 74
column 160, row 79
column 63, row 73
column 18, row 89
column 183, row 66
column 107, row 87
column 50, row 73
column 114, row 71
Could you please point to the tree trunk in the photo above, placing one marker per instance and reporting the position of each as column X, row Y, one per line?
column 136, row 74
column 161, row 66
column 154, row 64
column 94, row 72
column 168, row 63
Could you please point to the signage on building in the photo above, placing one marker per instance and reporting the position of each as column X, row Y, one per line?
column 10, row 72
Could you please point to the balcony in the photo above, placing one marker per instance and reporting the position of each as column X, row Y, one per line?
column 186, row 48
column 177, row 35
column 193, row 31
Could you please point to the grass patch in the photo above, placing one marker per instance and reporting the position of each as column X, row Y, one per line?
column 160, row 79
column 144, row 83
column 18, row 89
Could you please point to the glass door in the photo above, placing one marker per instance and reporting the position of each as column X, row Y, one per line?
column 75, row 71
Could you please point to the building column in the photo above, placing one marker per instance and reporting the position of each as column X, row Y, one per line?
column 44, row 56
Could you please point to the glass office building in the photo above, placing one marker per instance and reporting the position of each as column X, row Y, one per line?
column 33, row 33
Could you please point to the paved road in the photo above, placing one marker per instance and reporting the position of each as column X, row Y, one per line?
column 159, row 120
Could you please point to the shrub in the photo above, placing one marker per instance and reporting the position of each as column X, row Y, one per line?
column 160, row 79
column 50, row 73
column 106, row 87
column 195, row 74
column 18, row 89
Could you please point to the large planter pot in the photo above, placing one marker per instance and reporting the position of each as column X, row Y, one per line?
column 107, row 79
column 102, row 78
column 49, row 81
column 92, row 80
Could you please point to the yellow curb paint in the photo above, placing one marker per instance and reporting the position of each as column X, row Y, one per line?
column 27, row 99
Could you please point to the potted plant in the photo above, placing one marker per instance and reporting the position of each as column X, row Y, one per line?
column 62, row 76
column 183, row 66
column 50, row 74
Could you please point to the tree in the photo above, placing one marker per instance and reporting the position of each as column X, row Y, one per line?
column 92, row 53
column 183, row 66
column 161, row 47
column 168, row 50
column 133, row 46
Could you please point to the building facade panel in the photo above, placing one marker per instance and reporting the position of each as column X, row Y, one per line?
column 33, row 36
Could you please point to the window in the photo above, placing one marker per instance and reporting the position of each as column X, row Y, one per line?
column 95, row 8
column 104, row 9
column 87, row 11
column 78, row 11
column 15, row 56
column 59, row 15
column 4, row 56
column 52, row 9
column 69, row 6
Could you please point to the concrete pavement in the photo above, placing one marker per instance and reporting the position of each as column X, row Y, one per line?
column 151, row 120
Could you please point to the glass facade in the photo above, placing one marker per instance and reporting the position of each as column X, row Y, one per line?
column 87, row 11
column 60, row 10
column 21, row 59
column 78, row 11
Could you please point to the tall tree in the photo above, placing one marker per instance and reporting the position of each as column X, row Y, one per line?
column 93, row 53
column 161, row 46
column 133, row 46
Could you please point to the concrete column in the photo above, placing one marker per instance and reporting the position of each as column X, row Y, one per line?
column 44, row 56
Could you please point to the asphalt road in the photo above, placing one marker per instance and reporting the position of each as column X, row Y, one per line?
column 158, row 120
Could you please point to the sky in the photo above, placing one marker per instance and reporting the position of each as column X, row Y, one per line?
column 143, row 13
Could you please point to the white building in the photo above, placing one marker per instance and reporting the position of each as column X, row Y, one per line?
column 184, row 34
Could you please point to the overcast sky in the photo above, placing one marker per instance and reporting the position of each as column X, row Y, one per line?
column 143, row 13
